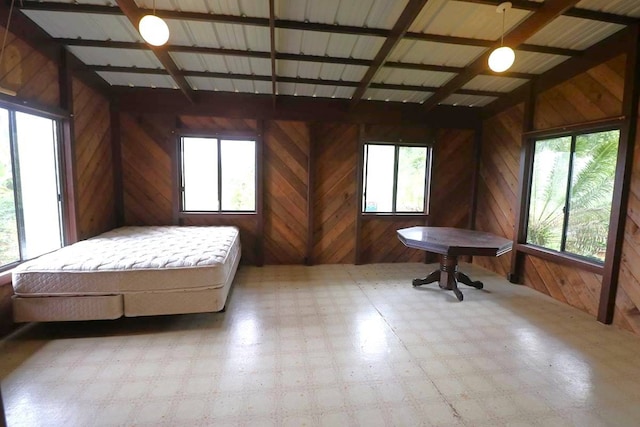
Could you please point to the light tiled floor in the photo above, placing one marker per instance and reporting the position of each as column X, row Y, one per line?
column 332, row 345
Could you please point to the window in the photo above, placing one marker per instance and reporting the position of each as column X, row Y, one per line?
column 395, row 178
column 30, row 199
column 218, row 175
column 571, row 193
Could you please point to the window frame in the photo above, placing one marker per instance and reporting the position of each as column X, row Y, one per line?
column 61, row 145
column 573, row 132
column 394, row 201
column 179, row 164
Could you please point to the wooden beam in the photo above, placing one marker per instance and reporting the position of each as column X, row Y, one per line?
column 467, row 41
column 549, row 10
column 574, row 12
column 282, row 79
column 272, row 38
column 608, row 48
column 134, row 14
column 521, row 210
column 622, row 182
column 69, row 181
column 284, row 56
column 408, row 15
column 259, row 249
column 240, row 105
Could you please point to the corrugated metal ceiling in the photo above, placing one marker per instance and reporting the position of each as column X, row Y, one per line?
column 454, row 18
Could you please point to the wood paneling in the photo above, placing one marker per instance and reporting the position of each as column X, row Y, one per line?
column 147, row 142
column 32, row 75
column 217, row 124
column 286, row 180
column 627, row 307
column 498, row 181
column 94, row 163
column 593, row 95
column 575, row 287
column 451, row 185
column 335, row 188
column 380, row 241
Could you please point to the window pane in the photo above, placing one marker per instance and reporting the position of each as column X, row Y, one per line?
column 37, row 162
column 592, row 177
column 379, row 178
column 548, row 192
column 200, row 174
column 238, row 175
column 412, row 162
column 9, row 249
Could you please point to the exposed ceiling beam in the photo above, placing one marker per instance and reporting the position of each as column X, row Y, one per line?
column 549, row 10
column 408, row 15
column 574, row 12
column 284, row 79
column 288, row 24
column 466, row 41
column 272, row 53
column 242, row 105
column 602, row 51
column 285, row 56
column 134, row 14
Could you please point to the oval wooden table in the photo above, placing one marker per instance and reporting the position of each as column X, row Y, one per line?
column 450, row 243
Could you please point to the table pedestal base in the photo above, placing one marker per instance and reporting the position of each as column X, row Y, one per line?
column 448, row 277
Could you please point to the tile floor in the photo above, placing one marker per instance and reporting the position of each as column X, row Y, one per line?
column 334, row 345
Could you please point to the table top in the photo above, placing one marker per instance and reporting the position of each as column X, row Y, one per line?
column 454, row 241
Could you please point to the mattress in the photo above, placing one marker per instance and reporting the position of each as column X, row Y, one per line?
column 132, row 260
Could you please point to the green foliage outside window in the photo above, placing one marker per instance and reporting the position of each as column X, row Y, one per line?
column 571, row 193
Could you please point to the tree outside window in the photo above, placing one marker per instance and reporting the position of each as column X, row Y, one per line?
column 395, row 178
column 571, row 193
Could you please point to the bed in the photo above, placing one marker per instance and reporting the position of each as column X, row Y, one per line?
column 130, row 271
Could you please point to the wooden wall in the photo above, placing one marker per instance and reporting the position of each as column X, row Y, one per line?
column 498, row 181
column 335, row 201
column 627, row 308
column 286, row 190
column 593, row 95
column 94, row 164
column 35, row 78
column 301, row 159
column 29, row 73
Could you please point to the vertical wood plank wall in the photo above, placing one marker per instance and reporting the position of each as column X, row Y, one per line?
column 595, row 94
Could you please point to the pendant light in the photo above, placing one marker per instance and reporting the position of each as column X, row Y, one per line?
column 501, row 59
column 153, row 29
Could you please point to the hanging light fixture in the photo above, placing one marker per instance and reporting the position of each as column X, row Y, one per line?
column 153, row 29
column 501, row 59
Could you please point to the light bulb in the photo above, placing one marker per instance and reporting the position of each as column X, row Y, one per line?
column 501, row 59
column 154, row 30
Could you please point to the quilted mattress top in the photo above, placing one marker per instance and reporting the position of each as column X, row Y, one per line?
column 140, row 248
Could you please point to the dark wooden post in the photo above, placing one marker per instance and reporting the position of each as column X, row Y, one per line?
column 622, row 183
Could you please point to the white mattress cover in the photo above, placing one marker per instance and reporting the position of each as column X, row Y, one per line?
column 133, row 259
